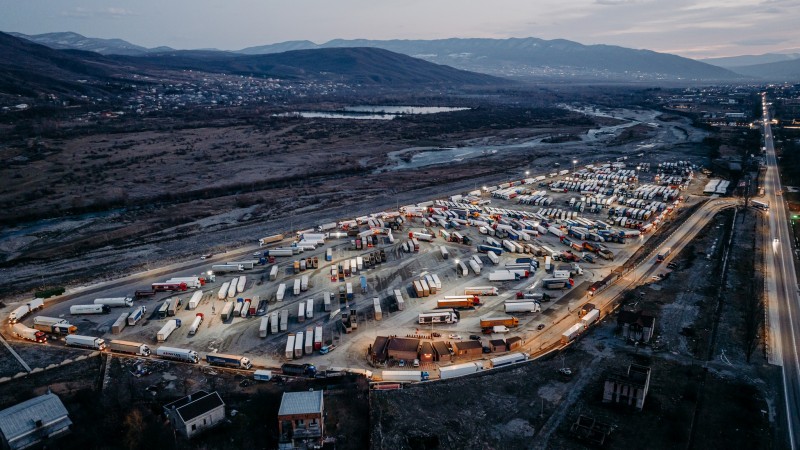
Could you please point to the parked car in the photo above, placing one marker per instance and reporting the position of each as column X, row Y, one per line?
column 474, row 337
column 456, row 337
column 540, row 327
column 401, row 363
column 487, row 350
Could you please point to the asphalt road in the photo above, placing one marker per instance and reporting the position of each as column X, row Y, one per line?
column 782, row 287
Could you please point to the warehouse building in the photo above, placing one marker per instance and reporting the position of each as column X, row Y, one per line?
column 301, row 420
column 33, row 421
column 468, row 349
column 628, row 388
column 196, row 412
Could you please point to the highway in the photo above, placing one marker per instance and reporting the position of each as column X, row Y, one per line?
column 781, row 283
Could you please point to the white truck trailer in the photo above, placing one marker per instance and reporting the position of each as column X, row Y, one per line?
column 195, row 300
column 75, row 340
column 412, row 376
column 89, row 309
column 178, row 354
column 263, row 327
column 198, row 319
column 114, row 302
column 133, row 348
column 460, row 370
column 167, row 329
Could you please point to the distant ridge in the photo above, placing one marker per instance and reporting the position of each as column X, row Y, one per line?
column 535, row 58
column 732, row 62
column 523, row 58
column 354, row 65
column 75, row 41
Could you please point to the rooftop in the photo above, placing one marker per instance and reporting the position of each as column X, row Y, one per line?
column 403, row 344
column 306, row 402
column 468, row 345
column 196, row 404
column 22, row 418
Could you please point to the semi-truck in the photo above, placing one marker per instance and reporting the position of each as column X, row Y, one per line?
column 178, row 354
column 571, row 333
column 166, row 287
column 522, row 307
column 556, row 283
column 226, row 268
column 234, row 361
column 508, row 321
column 198, row 319
column 296, row 289
column 506, row 360
column 460, row 370
column 191, row 282
column 458, row 302
column 114, row 302
column 481, row 290
column 136, row 315
column 590, row 317
column 75, row 340
column 662, row 255
column 21, row 311
column 317, row 338
column 30, row 334
column 89, row 309
column 53, row 325
column 299, row 370
column 508, row 275
column 270, row 240
column 407, row 376
column 133, row 348
column 445, row 316
column 167, row 329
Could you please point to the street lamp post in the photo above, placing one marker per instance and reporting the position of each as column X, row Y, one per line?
column 574, row 161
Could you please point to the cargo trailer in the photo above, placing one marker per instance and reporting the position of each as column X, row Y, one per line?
column 298, row 344
column 284, row 319
column 573, row 332
column 273, row 322
column 119, row 324
column 227, row 311
column 195, row 300
column 308, row 345
column 74, row 340
column 506, row 360
column 30, row 334
column 167, row 329
column 116, row 302
column 178, row 354
column 459, row 370
column 234, row 361
column 289, row 353
column 133, row 348
column 136, row 315
column 404, row 376
column 198, row 319
column 522, row 307
column 376, row 303
column 89, row 309
column 317, row 338
column 398, row 296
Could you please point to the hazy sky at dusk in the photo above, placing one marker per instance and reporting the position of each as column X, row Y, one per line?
column 690, row 28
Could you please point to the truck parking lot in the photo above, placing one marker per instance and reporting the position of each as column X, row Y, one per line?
column 528, row 250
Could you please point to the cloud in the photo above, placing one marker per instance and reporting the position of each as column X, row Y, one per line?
column 80, row 12
column 614, row 2
column 758, row 42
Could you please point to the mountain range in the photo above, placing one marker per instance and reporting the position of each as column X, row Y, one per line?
column 522, row 58
column 29, row 70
